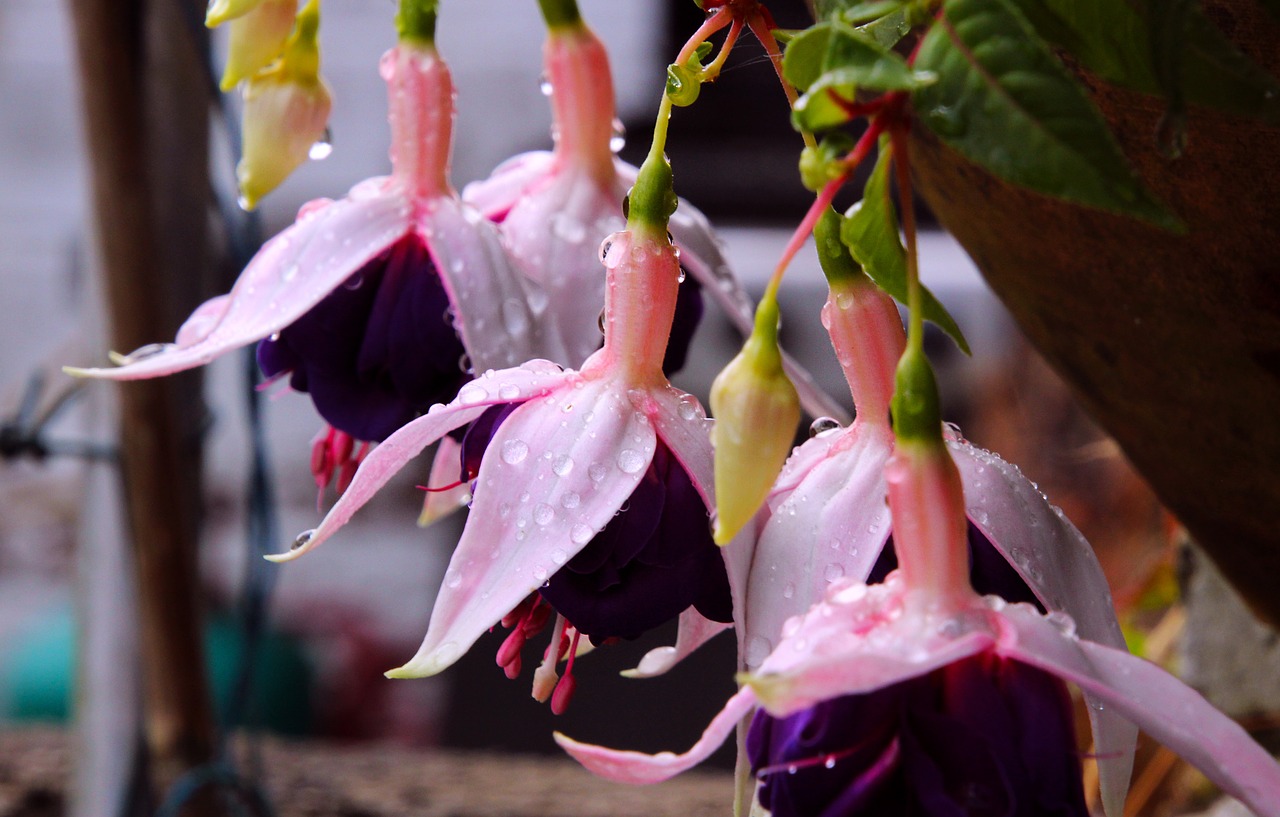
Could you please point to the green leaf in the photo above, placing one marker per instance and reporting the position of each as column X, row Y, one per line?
column 1005, row 101
column 802, row 61
column 889, row 30
column 1114, row 40
column 821, row 164
column 850, row 62
column 870, row 11
column 870, row 230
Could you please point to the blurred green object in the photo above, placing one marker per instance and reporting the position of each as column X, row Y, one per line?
column 37, row 675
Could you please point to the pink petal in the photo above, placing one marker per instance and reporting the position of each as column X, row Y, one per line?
column 862, row 638
column 694, row 631
column 500, row 315
column 532, row 380
column 1167, row 709
column 289, row 275
column 554, row 233
column 445, row 468
column 201, row 322
column 1060, row 567
column 683, row 425
column 832, row 526
column 639, row 768
column 555, row 473
column 508, row 182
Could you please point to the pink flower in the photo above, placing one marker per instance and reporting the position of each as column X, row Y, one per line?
column 369, row 302
column 859, row 640
column 554, row 208
column 553, row 455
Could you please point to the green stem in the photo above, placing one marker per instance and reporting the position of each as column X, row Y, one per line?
column 416, row 21
column 560, row 13
column 915, row 318
column 652, row 200
column 301, row 59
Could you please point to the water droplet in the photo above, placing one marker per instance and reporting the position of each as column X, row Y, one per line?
column 789, row 591
column 543, row 514
column 758, row 649
column 834, row 571
column 844, row 300
column 540, row 573
column 680, row 276
column 631, row 461
column 559, row 556
column 830, row 762
column 303, row 539
column 274, row 337
column 514, row 317
column 504, row 510
column 145, row 352
column 562, row 466
column 464, row 364
column 979, row 515
column 570, row 500
column 689, row 408
column 514, row 451
column 822, row 425
column 792, row 769
column 322, row 148
column 1062, row 622
column 618, row 139
column 354, row 282
column 452, row 578
column 545, row 86
column 508, row 391
column 244, row 204
column 581, row 534
column 597, row 472
column 472, row 394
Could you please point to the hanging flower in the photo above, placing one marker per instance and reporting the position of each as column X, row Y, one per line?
column 379, row 304
column 555, row 207
column 590, row 488
column 963, row 687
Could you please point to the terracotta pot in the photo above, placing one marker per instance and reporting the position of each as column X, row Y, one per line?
column 1171, row 342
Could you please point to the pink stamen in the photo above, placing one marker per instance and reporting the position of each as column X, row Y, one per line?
column 567, row 685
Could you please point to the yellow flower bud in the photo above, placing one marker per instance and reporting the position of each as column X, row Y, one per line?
column 756, row 409
column 256, row 39
column 221, row 11
column 286, row 111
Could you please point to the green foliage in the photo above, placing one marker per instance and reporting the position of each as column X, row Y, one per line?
column 823, row 163
column 1158, row 47
column 831, row 62
column 1005, row 101
column 870, row 230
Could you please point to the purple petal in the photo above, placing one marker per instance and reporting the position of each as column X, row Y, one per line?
column 288, row 276
column 1167, row 709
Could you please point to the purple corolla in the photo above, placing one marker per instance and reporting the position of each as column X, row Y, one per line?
column 553, row 455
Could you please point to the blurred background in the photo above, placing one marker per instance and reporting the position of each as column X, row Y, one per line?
column 341, row 617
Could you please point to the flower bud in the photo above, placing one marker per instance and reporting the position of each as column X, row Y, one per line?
column 256, row 39
column 220, row 11
column 286, row 111
column 756, row 409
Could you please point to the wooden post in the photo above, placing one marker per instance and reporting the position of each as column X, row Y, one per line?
column 146, row 122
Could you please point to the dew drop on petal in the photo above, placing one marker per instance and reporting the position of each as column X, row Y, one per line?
column 545, row 86
column 543, row 514
column 514, row 451
column 504, row 510
column 789, row 591
column 617, row 139
column 322, row 147
column 631, row 461
column 472, row 394
column 540, row 573
column 822, row 425
column 581, row 534
column 830, row 762
column 452, row 578
column 570, row 501
column 508, row 391
column 598, row 472
column 559, row 556
column 563, row 465
column 688, row 407
column 303, row 539
column 834, row 571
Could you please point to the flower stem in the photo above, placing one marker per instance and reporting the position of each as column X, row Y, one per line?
column 416, row 21
column 757, row 23
column 560, row 13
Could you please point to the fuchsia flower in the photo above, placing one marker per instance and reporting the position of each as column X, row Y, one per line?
column 554, row 208
column 553, row 456
column 377, row 304
column 916, row 695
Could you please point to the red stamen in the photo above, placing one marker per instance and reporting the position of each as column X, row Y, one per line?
column 511, row 646
column 567, row 685
column 448, row 487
